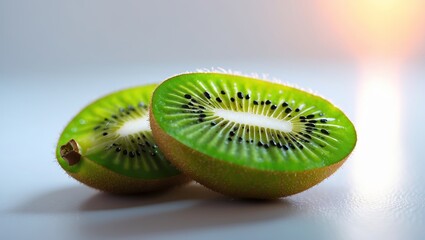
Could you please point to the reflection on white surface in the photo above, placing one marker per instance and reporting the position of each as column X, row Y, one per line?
column 378, row 157
column 376, row 171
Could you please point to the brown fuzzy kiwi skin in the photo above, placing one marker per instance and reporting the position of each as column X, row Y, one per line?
column 100, row 178
column 235, row 180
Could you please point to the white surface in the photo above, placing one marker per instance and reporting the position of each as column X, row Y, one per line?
column 378, row 194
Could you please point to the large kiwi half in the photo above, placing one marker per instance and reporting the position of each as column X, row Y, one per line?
column 246, row 137
column 109, row 146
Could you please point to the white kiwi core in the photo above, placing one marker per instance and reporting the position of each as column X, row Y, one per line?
column 134, row 126
column 253, row 119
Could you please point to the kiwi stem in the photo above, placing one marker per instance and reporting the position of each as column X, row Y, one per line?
column 70, row 152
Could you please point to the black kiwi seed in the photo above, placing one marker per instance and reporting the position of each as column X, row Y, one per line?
column 324, row 131
column 105, row 133
column 310, row 116
column 185, row 106
column 218, row 100
column 207, row 95
column 193, row 100
column 202, row 115
column 323, row 120
column 232, row 133
column 297, row 110
column 273, row 107
column 118, row 149
column 268, row 102
column 247, row 97
column 223, row 92
column 284, row 104
column 288, row 110
column 310, row 125
column 262, row 102
column 255, row 102
column 131, row 154
column 240, row 95
column 213, row 123
column 260, row 144
column 232, row 99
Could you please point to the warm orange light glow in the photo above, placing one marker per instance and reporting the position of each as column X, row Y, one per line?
column 377, row 28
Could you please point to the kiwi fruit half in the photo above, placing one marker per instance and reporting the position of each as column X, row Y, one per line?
column 109, row 146
column 247, row 137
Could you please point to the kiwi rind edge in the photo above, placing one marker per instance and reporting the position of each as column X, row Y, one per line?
column 103, row 179
column 235, row 180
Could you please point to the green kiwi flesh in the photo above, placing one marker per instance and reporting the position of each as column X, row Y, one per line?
column 109, row 146
column 246, row 137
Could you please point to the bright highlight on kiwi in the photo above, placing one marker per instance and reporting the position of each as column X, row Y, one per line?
column 246, row 137
column 109, row 146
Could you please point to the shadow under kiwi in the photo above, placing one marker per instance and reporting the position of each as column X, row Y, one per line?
column 188, row 215
column 84, row 199
column 56, row 201
column 107, row 201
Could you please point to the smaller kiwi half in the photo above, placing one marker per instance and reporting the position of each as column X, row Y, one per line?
column 109, row 146
column 246, row 137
